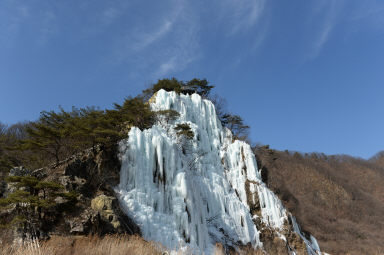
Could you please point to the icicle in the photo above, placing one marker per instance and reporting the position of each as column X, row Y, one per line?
column 193, row 193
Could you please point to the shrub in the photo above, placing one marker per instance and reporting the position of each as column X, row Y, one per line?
column 184, row 130
column 33, row 201
column 167, row 115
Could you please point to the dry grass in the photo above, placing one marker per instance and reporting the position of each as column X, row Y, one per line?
column 245, row 250
column 108, row 245
column 339, row 199
column 57, row 245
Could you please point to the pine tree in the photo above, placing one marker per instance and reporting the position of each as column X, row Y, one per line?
column 167, row 116
column 133, row 112
column 49, row 134
column 93, row 127
column 200, row 86
column 184, row 129
column 33, row 200
column 236, row 124
column 167, row 84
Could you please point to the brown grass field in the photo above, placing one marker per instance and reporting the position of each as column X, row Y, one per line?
column 58, row 245
column 108, row 245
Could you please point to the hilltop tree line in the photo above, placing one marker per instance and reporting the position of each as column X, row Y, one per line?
column 60, row 134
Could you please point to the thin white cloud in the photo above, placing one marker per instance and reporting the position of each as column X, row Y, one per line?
column 145, row 39
column 164, row 44
column 363, row 11
column 241, row 15
column 354, row 16
column 48, row 27
column 368, row 15
column 169, row 66
column 12, row 16
column 109, row 15
column 326, row 14
column 178, row 58
column 322, row 37
column 17, row 17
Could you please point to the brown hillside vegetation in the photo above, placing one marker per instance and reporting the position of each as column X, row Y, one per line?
column 80, row 245
column 339, row 199
column 108, row 245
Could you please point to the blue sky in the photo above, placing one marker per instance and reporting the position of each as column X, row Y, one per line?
column 305, row 75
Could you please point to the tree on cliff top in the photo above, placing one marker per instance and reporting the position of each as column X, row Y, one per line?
column 236, row 124
column 49, row 134
column 199, row 86
column 133, row 112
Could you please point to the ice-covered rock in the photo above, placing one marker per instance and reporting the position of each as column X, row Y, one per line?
column 196, row 192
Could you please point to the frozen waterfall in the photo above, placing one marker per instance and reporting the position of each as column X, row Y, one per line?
column 193, row 193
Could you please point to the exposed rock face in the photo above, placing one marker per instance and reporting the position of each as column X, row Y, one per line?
column 104, row 206
column 19, row 171
column 109, row 211
column 92, row 175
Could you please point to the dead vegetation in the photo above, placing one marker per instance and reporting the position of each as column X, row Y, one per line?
column 338, row 199
column 107, row 245
column 72, row 245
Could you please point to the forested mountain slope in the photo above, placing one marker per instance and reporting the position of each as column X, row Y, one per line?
column 339, row 199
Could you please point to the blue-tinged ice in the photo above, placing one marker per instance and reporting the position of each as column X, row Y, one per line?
column 191, row 193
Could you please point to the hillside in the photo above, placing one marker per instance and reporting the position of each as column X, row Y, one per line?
column 180, row 178
column 172, row 166
column 339, row 199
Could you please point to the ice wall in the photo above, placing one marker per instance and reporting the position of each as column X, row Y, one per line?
column 193, row 193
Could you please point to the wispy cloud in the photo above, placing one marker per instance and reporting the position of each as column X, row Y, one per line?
column 21, row 17
column 12, row 16
column 240, row 16
column 368, row 15
column 164, row 44
column 48, row 27
column 326, row 15
column 109, row 15
column 160, row 39
column 142, row 40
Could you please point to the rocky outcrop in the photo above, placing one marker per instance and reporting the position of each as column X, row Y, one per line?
column 92, row 175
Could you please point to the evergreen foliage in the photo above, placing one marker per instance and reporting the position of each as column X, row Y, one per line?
column 167, row 84
column 199, row 86
column 167, row 115
column 134, row 112
column 10, row 155
column 236, row 124
column 231, row 121
column 57, row 135
column 91, row 127
column 33, row 199
column 184, row 130
column 49, row 134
